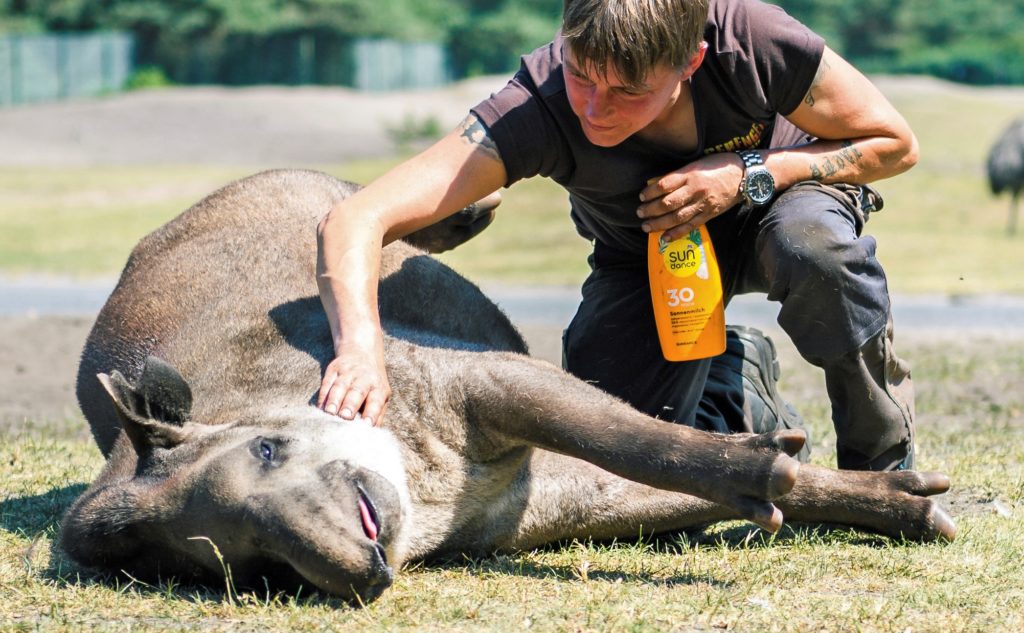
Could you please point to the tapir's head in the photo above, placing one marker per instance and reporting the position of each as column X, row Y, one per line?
column 277, row 498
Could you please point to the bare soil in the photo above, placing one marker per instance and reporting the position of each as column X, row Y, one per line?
column 38, row 362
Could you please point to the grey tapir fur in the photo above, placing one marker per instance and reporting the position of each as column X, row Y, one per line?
column 198, row 377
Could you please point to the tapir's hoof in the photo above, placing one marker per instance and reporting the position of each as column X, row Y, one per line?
column 783, row 476
column 791, row 441
column 932, row 483
column 457, row 228
column 773, row 522
column 945, row 529
column 764, row 514
column 788, row 441
column 485, row 204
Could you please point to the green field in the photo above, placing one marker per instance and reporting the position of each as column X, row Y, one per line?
column 941, row 230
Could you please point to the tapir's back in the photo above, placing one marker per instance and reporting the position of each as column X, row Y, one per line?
column 227, row 293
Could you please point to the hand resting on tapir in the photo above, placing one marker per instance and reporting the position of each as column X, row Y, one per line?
column 210, row 352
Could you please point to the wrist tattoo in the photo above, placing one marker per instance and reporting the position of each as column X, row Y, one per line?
column 831, row 164
column 476, row 134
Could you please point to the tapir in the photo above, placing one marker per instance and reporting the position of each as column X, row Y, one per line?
column 199, row 381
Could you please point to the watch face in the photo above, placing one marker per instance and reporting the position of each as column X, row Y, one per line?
column 760, row 186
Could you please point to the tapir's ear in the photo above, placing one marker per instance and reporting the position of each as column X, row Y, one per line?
column 153, row 411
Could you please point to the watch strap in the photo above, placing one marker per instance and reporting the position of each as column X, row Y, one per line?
column 753, row 166
column 750, row 158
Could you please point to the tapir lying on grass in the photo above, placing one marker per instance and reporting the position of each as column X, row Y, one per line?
column 209, row 356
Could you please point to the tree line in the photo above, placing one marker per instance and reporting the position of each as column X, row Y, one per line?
column 980, row 42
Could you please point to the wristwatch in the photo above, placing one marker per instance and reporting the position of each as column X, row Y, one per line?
column 758, row 185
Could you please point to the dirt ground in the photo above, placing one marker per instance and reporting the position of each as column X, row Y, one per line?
column 260, row 126
column 38, row 361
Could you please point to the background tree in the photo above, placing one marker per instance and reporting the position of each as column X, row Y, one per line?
column 977, row 42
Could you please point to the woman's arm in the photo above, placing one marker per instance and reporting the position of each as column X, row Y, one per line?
column 861, row 138
column 461, row 168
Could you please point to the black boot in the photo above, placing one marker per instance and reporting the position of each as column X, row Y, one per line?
column 764, row 410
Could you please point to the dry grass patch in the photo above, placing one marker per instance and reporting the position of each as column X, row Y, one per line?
column 728, row 577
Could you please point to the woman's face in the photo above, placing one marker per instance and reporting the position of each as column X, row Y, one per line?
column 611, row 111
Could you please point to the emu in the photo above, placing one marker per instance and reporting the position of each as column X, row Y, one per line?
column 1006, row 168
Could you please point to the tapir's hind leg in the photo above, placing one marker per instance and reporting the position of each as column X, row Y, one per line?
column 532, row 402
column 893, row 503
column 568, row 499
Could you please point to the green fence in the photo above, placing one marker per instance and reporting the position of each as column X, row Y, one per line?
column 311, row 58
column 51, row 67
column 389, row 65
column 36, row 68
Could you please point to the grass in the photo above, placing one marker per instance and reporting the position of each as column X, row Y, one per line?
column 83, row 222
column 941, row 230
column 728, row 577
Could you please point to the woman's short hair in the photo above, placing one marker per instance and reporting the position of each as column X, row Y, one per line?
column 633, row 36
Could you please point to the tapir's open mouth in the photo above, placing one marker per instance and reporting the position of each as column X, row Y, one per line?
column 368, row 515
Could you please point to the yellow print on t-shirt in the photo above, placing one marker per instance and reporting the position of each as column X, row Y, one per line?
column 748, row 141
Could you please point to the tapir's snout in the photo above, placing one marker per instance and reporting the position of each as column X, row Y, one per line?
column 361, row 576
column 356, row 569
column 335, row 528
column 381, row 577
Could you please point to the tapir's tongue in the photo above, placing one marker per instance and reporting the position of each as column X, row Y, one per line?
column 368, row 525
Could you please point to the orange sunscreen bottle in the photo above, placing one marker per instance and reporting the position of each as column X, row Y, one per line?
column 686, row 289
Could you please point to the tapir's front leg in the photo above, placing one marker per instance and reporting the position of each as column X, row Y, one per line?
column 534, row 403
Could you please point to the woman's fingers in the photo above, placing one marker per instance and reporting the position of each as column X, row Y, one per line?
column 354, row 392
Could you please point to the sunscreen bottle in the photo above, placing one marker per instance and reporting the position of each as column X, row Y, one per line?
column 686, row 290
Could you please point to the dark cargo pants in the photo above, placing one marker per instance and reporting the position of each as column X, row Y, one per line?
column 804, row 250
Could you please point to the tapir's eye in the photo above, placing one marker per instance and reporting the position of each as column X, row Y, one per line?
column 267, row 451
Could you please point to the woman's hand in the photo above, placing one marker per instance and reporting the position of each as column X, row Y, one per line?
column 682, row 200
column 861, row 138
column 459, row 169
column 356, row 384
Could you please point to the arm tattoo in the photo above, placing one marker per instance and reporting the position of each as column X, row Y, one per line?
column 819, row 75
column 476, row 134
column 832, row 163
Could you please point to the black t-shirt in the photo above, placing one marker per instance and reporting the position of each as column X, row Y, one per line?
column 759, row 65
